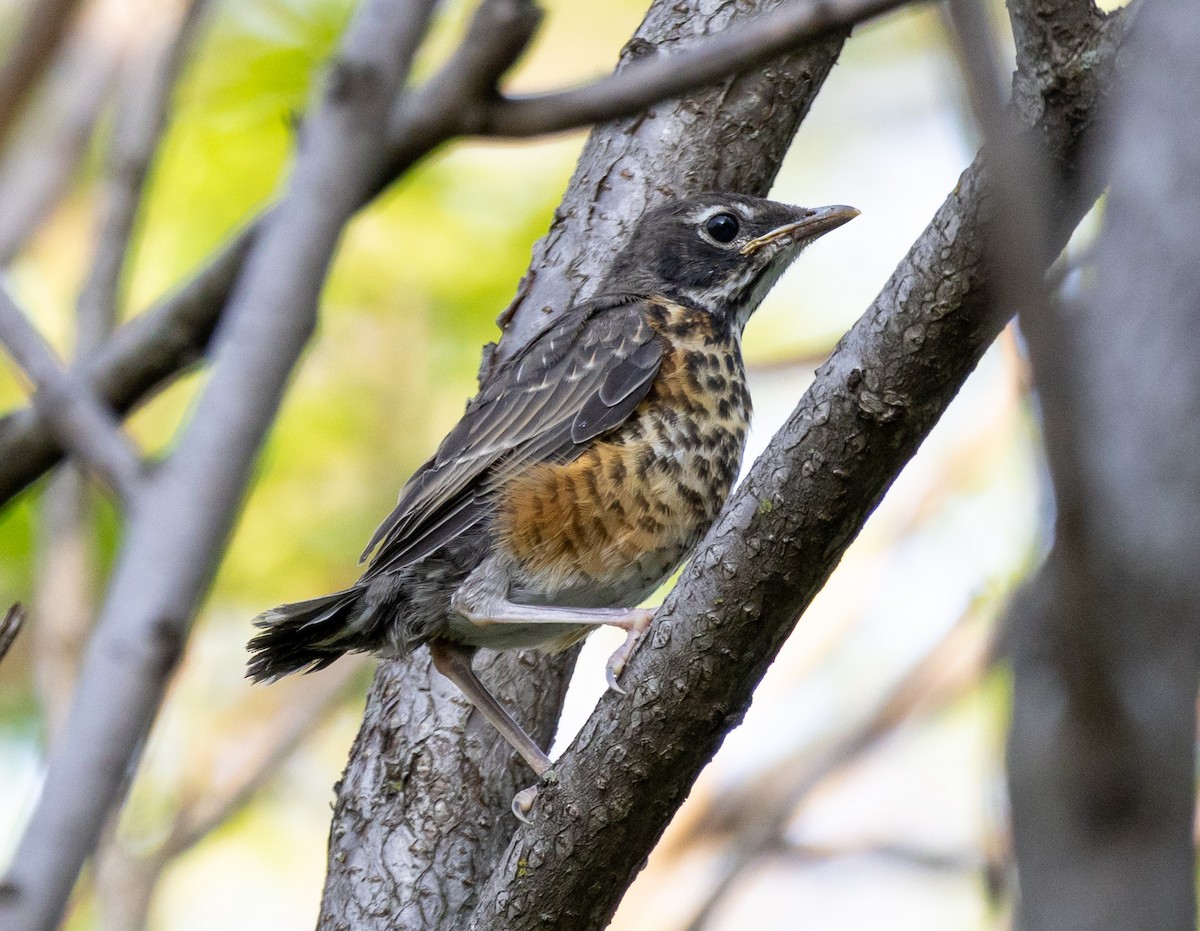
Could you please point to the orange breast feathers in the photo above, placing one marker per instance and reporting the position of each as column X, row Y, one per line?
column 583, row 520
column 649, row 489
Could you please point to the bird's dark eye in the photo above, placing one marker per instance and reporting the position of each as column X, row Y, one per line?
column 723, row 227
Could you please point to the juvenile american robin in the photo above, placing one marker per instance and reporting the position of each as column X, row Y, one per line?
column 582, row 474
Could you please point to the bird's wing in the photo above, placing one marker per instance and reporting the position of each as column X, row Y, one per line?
column 578, row 379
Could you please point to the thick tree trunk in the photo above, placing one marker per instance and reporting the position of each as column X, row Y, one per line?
column 1102, row 748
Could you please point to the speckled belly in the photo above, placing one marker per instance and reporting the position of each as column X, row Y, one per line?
column 607, row 528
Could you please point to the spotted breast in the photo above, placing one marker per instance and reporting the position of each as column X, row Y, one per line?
column 609, row 526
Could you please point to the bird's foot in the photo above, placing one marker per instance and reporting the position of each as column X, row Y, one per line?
column 522, row 804
column 523, row 801
column 639, row 622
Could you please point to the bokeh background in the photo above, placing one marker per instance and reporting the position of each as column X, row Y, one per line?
column 865, row 788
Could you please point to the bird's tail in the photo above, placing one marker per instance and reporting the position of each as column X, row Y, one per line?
column 308, row 635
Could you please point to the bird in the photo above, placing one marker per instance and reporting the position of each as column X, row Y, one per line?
column 582, row 474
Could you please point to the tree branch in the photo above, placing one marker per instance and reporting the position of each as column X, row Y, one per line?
column 175, row 536
column 1023, row 185
column 966, row 861
column 40, row 163
column 140, row 124
column 649, row 80
column 67, row 571
column 128, row 872
column 14, row 617
column 64, row 593
column 759, row 814
column 29, row 54
column 1046, row 30
column 262, row 759
column 173, row 335
column 1105, row 644
column 775, row 544
column 141, row 356
column 78, row 422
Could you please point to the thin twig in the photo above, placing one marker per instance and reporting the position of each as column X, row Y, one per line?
column 963, row 861
column 79, row 423
column 1024, row 189
column 14, row 617
column 40, row 164
column 65, row 601
column 29, row 55
column 64, row 591
column 646, row 82
column 458, row 98
column 1020, row 175
column 127, row 873
column 463, row 100
column 262, row 759
column 140, row 122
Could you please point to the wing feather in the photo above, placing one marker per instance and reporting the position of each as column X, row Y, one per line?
column 606, row 408
column 583, row 376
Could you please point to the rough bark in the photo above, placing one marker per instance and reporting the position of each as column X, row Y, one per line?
column 805, row 499
column 1105, row 648
column 422, row 812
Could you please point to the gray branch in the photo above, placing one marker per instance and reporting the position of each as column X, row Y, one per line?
column 10, row 626
column 659, row 77
column 778, row 540
column 155, row 347
column 29, row 54
column 91, row 432
column 755, row 817
column 41, row 161
column 175, row 535
column 144, row 354
column 140, row 121
column 1105, row 642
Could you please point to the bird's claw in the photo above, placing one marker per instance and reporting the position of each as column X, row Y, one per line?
column 616, row 662
column 522, row 804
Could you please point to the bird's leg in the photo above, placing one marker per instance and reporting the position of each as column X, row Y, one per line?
column 638, row 625
column 482, row 607
column 454, row 662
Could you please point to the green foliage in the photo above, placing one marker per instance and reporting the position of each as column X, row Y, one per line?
column 231, row 131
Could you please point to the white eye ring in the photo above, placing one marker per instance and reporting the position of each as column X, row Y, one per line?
column 722, row 228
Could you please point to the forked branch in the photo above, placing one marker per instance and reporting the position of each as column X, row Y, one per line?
column 461, row 99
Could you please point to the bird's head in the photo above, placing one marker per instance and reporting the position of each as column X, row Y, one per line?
column 722, row 252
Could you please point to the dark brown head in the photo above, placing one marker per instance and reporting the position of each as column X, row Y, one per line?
column 721, row 252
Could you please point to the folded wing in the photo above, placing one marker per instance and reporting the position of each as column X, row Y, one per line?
column 583, row 376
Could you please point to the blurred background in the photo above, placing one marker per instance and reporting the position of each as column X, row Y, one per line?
column 865, row 788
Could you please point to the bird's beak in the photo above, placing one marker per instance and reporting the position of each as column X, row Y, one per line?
column 815, row 222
